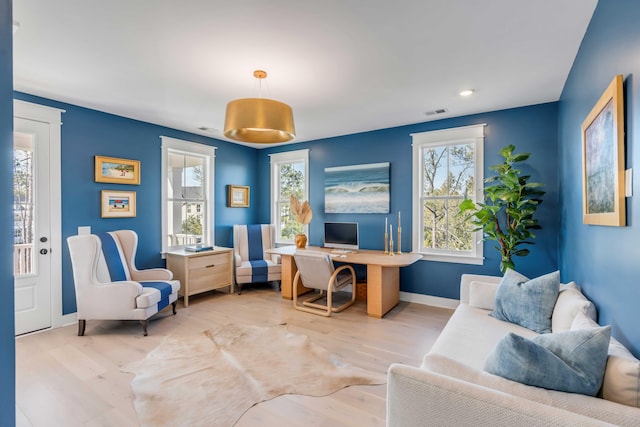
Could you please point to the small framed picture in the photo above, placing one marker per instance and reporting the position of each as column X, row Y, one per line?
column 117, row 171
column 238, row 196
column 118, row 204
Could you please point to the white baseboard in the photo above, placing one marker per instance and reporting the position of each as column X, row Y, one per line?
column 69, row 319
column 429, row 300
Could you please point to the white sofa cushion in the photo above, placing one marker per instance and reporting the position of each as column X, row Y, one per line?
column 621, row 381
column 570, row 302
column 471, row 334
column 482, row 294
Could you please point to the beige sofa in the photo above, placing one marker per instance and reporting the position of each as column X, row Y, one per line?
column 450, row 388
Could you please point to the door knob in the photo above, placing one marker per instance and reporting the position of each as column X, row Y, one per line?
column 43, row 251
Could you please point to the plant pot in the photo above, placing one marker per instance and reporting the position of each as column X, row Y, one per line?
column 301, row 241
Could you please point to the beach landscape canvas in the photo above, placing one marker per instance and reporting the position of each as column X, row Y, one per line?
column 357, row 188
column 118, row 204
column 117, row 171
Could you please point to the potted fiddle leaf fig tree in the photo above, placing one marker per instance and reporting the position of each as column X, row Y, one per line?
column 506, row 215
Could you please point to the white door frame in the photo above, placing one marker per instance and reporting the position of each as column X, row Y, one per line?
column 52, row 116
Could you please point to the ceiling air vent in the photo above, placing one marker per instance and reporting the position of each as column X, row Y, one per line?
column 436, row 112
column 209, row 130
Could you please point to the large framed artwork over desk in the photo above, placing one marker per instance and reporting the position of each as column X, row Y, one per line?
column 383, row 274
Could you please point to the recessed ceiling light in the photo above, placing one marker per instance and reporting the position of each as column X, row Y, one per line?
column 467, row 92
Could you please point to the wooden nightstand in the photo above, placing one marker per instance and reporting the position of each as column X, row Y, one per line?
column 201, row 271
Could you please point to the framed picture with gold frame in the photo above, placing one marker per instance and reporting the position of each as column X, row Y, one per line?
column 117, row 171
column 118, row 204
column 238, row 196
column 603, row 188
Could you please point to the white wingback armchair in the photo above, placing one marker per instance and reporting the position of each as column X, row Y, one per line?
column 252, row 264
column 110, row 287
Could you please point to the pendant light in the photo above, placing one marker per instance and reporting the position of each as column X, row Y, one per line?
column 259, row 120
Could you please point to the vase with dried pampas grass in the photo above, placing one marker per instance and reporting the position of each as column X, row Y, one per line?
column 303, row 214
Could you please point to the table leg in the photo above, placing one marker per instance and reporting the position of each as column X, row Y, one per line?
column 289, row 270
column 383, row 289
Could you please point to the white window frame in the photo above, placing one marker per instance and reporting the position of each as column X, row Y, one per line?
column 208, row 152
column 276, row 160
column 462, row 135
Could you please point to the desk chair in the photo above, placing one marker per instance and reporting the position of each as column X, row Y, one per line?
column 317, row 271
column 110, row 287
column 252, row 264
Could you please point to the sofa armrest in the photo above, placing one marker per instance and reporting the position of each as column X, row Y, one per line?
column 465, row 283
column 417, row 397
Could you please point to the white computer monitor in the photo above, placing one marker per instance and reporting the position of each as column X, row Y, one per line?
column 341, row 235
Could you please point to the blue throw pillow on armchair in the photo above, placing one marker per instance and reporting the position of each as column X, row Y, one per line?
column 525, row 302
column 571, row 361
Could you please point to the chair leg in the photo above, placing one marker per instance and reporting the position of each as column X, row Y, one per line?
column 239, row 285
column 82, row 324
column 144, row 324
column 173, row 304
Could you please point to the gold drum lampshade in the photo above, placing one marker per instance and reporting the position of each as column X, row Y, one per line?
column 259, row 120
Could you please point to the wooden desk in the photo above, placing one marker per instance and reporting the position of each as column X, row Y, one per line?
column 383, row 274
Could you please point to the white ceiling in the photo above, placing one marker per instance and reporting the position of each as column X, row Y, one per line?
column 344, row 66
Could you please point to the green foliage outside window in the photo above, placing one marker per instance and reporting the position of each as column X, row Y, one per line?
column 192, row 225
column 291, row 184
column 448, row 173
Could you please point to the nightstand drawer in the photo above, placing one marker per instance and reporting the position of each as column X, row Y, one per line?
column 209, row 261
column 208, row 278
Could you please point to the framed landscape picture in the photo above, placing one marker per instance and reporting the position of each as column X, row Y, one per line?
column 118, row 204
column 357, row 188
column 603, row 190
column 238, row 196
column 117, row 171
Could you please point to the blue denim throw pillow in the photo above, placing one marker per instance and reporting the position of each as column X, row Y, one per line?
column 571, row 361
column 525, row 302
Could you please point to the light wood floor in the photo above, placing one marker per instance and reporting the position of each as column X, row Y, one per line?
column 66, row 380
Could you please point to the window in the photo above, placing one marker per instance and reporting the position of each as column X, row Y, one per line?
column 187, row 193
column 289, row 176
column 447, row 168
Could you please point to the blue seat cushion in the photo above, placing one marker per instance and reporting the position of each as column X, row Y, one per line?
column 165, row 292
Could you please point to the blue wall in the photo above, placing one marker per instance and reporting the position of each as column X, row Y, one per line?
column 603, row 260
column 7, row 329
column 86, row 133
column 531, row 129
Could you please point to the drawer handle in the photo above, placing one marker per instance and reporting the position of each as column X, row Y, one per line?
column 210, row 265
